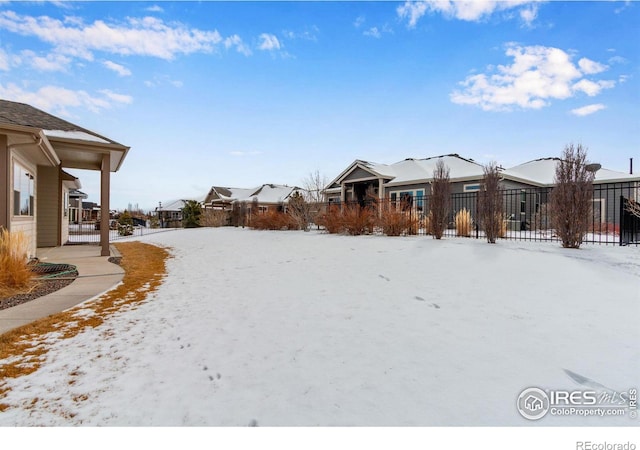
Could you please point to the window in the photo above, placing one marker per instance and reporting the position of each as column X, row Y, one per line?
column 66, row 203
column 471, row 187
column 23, row 191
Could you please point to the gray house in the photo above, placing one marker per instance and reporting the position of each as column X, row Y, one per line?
column 526, row 187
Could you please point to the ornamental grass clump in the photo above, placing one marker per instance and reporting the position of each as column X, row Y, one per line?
column 15, row 275
column 463, row 222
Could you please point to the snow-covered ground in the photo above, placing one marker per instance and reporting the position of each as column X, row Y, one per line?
column 293, row 328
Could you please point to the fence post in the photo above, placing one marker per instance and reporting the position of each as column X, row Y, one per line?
column 621, row 220
column 477, row 217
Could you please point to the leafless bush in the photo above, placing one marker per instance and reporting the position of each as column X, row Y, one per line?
column 440, row 193
column 331, row 220
column 633, row 207
column 570, row 200
column 300, row 211
column 394, row 222
column 239, row 214
column 463, row 222
column 490, row 204
column 215, row 218
column 273, row 220
column 358, row 219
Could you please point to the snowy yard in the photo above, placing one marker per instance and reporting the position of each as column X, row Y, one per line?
column 294, row 328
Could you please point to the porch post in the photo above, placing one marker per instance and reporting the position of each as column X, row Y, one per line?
column 342, row 193
column 5, row 186
column 105, row 174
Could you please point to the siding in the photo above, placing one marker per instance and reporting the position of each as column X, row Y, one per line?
column 47, row 193
column 359, row 174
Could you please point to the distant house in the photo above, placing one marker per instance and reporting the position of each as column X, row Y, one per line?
column 265, row 197
column 170, row 213
column 34, row 148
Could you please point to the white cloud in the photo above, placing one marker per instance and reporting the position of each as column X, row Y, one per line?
column 269, row 42
column 373, row 32
column 359, row 21
column 310, row 34
column 536, row 75
column 57, row 99
column 119, row 69
column 236, row 42
column 4, row 60
column 590, row 67
column 118, row 98
column 529, row 14
column 155, row 8
column 589, row 109
column 467, row 10
column 412, row 11
column 592, row 88
column 146, row 36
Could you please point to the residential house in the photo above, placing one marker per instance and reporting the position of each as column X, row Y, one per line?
column 35, row 147
column 263, row 198
column 170, row 213
column 527, row 186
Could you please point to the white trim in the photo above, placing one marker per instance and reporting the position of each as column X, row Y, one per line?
column 471, row 187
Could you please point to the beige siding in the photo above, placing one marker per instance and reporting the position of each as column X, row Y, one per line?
column 47, row 194
column 64, row 213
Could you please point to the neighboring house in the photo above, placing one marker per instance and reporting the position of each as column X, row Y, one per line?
column 527, row 187
column 265, row 197
column 407, row 179
column 76, row 198
column 170, row 213
column 609, row 186
column 34, row 148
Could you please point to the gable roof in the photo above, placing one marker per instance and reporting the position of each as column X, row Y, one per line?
column 412, row 170
column 265, row 193
column 74, row 145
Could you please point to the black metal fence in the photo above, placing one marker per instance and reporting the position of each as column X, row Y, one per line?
column 526, row 214
column 89, row 233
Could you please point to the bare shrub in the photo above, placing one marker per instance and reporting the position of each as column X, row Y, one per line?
column 300, row 211
column 215, row 218
column 357, row 220
column 570, row 199
column 239, row 214
column 440, row 197
column 463, row 222
column 394, row 222
column 15, row 274
column 331, row 220
column 490, row 204
column 273, row 220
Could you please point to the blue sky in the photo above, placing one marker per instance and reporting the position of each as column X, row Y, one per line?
column 245, row 93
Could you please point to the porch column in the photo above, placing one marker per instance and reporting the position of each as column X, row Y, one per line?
column 5, row 186
column 105, row 174
column 342, row 193
column 380, row 189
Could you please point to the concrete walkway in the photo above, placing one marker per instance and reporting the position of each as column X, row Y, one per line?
column 96, row 275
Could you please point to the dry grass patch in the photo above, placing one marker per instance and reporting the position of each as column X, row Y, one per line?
column 22, row 350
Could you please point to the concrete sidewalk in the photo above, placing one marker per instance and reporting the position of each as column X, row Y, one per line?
column 96, row 275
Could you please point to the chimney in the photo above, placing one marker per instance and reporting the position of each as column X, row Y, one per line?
column 630, row 166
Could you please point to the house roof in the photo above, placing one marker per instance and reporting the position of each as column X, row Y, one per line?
column 72, row 145
column 413, row 170
column 542, row 172
column 266, row 193
column 75, row 193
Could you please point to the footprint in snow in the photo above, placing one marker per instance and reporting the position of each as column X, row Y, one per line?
column 383, row 277
column 433, row 305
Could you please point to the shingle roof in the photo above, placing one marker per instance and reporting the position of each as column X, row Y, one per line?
column 15, row 113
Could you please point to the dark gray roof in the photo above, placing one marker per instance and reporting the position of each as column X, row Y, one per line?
column 14, row 113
